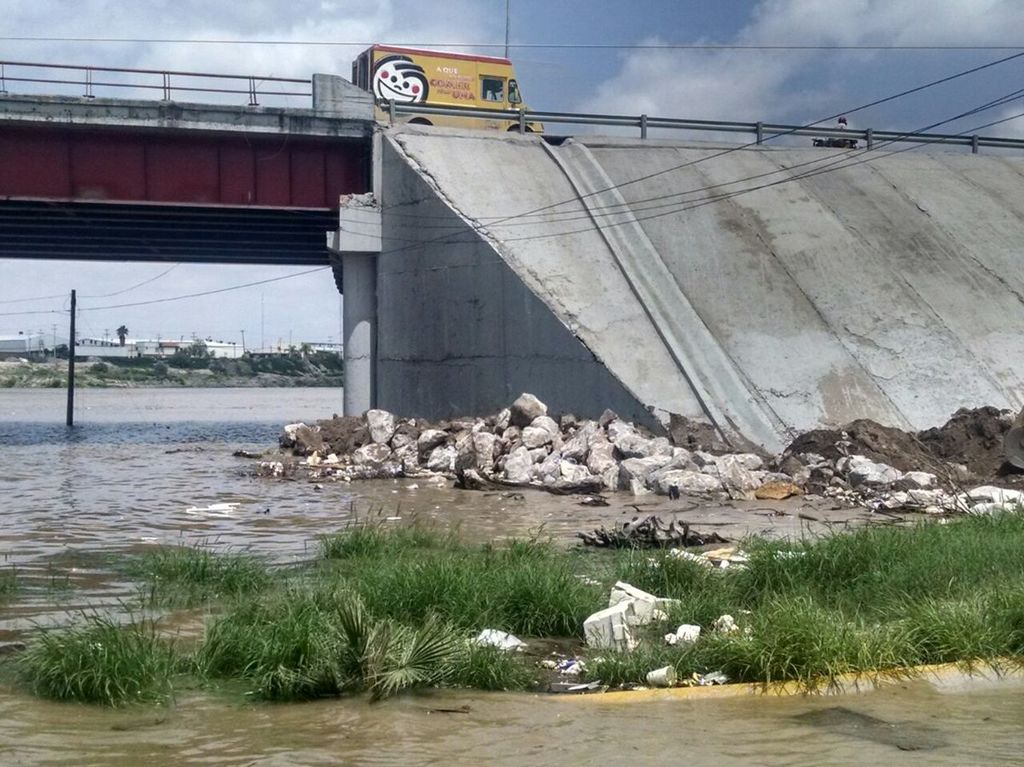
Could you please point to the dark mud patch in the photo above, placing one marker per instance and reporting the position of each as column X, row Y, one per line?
column 344, row 434
column 972, row 438
column 865, row 437
column 906, row 736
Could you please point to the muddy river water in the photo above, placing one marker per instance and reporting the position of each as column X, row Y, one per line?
column 124, row 478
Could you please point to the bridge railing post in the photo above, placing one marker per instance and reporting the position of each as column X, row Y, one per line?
column 643, row 126
column 760, row 132
column 522, row 121
column 869, row 138
column 88, row 84
column 253, row 102
column 974, row 144
column 167, row 86
column 391, row 111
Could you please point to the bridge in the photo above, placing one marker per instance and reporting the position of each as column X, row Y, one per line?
column 762, row 290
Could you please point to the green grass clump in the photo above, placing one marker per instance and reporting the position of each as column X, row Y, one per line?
column 188, row 575
column 524, row 587
column 100, row 661
column 876, row 570
column 306, row 643
column 375, row 540
column 481, row 667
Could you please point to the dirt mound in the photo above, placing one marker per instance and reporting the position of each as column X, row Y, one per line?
column 865, row 437
column 344, row 433
column 971, row 437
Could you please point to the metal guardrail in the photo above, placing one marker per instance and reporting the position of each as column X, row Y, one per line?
column 760, row 130
column 171, row 81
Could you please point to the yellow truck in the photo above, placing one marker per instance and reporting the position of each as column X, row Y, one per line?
column 433, row 78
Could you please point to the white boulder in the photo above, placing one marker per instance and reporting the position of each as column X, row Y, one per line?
column 693, row 482
column 371, row 455
column 442, row 459
column 429, row 439
column 519, row 466
column 381, row 424
column 861, row 470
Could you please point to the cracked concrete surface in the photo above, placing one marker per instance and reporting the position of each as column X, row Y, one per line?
column 891, row 289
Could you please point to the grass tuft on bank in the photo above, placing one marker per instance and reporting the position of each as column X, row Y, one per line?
column 100, row 661
column 529, row 587
column 189, row 575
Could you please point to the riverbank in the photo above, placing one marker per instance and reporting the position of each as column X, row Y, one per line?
column 380, row 609
column 269, row 372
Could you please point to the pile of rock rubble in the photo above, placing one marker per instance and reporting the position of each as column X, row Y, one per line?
column 525, row 446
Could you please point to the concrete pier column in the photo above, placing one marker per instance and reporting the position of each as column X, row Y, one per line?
column 359, row 318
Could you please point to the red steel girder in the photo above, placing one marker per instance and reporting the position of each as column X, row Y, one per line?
column 144, row 165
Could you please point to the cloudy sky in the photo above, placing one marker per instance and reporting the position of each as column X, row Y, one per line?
column 727, row 59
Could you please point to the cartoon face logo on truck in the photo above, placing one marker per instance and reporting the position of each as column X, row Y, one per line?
column 398, row 78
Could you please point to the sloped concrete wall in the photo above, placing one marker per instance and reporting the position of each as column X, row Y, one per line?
column 892, row 289
column 459, row 332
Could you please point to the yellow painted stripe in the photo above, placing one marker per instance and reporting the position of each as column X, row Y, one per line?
column 845, row 683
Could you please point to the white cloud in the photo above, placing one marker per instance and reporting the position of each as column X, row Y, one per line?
column 751, row 85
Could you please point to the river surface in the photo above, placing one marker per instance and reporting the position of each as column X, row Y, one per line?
column 138, row 459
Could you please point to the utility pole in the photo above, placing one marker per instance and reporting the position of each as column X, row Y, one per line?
column 71, row 365
column 508, row 14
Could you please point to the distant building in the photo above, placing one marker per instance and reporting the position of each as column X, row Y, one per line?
column 31, row 346
column 142, row 347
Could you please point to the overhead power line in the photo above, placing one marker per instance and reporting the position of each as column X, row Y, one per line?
column 925, row 47
column 202, row 293
column 136, row 285
column 485, row 223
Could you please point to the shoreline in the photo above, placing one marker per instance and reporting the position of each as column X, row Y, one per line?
column 105, row 375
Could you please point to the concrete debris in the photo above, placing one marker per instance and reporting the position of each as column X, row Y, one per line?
column 609, row 629
column 686, row 634
column 628, row 608
column 725, row 624
column 861, row 470
column 862, row 464
column 381, row 424
column 499, row 639
column 987, row 500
